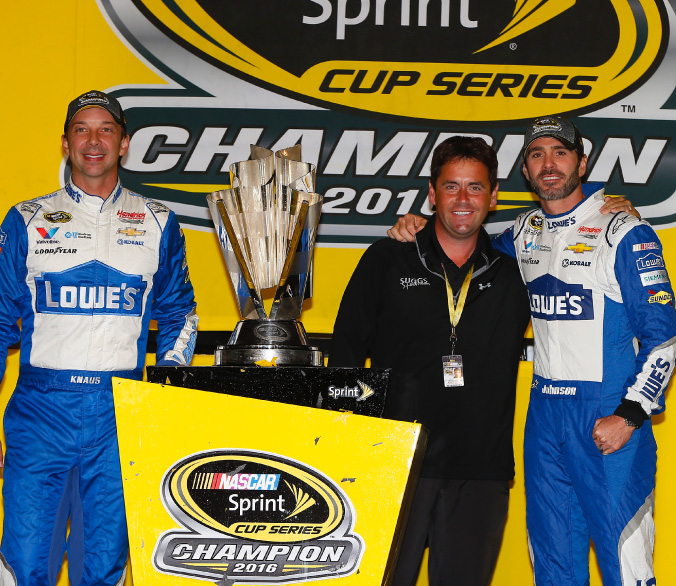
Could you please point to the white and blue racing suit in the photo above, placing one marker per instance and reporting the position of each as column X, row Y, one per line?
column 605, row 331
column 85, row 276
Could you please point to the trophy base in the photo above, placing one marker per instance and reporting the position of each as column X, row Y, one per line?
column 268, row 343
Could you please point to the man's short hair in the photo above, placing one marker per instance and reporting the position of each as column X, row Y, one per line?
column 465, row 148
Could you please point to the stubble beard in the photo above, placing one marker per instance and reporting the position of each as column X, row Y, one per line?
column 553, row 194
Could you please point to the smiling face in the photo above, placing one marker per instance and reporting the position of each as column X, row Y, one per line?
column 554, row 171
column 94, row 143
column 462, row 196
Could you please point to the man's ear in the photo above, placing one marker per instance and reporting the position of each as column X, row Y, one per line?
column 431, row 195
column 494, row 196
column 64, row 145
column 524, row 170
column 124, row 145
column 582, row 167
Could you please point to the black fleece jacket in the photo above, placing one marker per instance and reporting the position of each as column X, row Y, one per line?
column 395, row 311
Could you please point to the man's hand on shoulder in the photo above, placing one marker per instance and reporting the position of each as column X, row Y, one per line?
column 406, row 228
column 617, row 204
column 611, row 433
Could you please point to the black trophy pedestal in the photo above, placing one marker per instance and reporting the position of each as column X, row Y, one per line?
column 358, row 390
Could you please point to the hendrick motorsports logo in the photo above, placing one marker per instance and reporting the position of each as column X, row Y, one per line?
column 255, row 517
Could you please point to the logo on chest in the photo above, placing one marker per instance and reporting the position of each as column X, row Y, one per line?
column 554, row 300
column 407, row 282
column 90, row 288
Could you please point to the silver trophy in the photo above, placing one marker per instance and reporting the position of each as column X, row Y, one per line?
column 266, row 225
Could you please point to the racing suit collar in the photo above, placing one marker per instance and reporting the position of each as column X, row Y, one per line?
column 591, row 191
column 79, row 195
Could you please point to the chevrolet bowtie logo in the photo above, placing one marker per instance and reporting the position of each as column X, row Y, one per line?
column 580, row 247
column 131, row 232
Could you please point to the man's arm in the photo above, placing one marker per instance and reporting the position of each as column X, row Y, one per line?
column 648, row 297
column 174, row 302
column 13, row 251
column 357, row 316
column 409, row 225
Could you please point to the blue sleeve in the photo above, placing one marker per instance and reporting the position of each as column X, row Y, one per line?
column 648, row 297
column 505, row 242
column 174, row 300
column 13, row 251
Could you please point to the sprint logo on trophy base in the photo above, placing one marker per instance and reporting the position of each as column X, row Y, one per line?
column 255, row 517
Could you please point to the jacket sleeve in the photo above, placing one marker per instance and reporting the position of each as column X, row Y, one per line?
column 174, row 300
column 648, row 297
column 357, row 316
column 505, row 242
column 13, row 251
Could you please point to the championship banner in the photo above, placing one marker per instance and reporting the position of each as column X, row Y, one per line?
column 370, row 87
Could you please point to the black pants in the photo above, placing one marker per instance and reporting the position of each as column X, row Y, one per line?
column 463, row 522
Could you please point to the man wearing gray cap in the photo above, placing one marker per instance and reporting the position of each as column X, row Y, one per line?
column 597, row 284
column 603, row 317
column 84, row 269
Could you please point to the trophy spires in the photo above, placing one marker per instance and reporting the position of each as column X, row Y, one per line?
column 267, row 225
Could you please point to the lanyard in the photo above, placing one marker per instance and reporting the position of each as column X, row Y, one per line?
column 455, row 311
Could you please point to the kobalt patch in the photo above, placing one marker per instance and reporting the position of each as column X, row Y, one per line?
column 255, row 517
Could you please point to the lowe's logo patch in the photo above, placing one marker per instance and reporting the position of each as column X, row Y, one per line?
column 650, row 261
column 554, row 300
column 556, row 224
column 90, row 288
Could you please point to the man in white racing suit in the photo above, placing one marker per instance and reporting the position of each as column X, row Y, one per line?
column 604, row 323
column 85, row 269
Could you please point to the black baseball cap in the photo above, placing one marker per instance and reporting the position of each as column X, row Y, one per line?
column 95, row 99
column 556, row 127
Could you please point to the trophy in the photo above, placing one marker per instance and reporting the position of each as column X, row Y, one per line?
column 266, row 225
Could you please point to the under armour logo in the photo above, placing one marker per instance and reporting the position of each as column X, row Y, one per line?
column 482, row 286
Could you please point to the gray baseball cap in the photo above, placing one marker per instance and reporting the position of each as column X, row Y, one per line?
column 95, row 99
column 556, row 127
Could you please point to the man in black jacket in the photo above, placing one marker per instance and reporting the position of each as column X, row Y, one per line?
column 447, row 313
